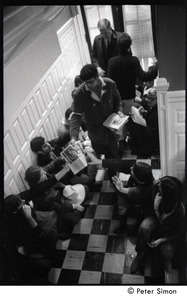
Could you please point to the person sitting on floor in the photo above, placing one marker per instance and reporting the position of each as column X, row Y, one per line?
column 21, row 224
column 44, row 152
column 53, row 164
column 145, row 139
column 134, row 200
column 164, row 232
column 47, row 196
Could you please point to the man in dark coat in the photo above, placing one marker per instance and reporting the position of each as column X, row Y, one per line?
column 104, row 46
column 97, row 99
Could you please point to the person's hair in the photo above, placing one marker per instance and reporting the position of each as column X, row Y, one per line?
column 32, row 175
column 104, row 22
column 37, row 143
column 171, row 192
column 124, row 42
column 152, row 94
column 77, row 81
column 88, row 71
column 11, row 203
column 143, row 173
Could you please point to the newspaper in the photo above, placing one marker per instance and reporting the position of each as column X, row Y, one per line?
column 137, row 117
column 75, row 157
column 115, row 123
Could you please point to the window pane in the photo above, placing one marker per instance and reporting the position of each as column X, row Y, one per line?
column 137, row 23
column 144, row 12
column 130, row 12
column 92, row 15
column 93, row 33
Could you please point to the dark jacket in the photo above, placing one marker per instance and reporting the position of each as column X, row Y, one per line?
column 100, row 55
column 151, row 131
column 95, row 112
column 124, row 70
column 145, row 139
column 22, row 234
column 46, row 197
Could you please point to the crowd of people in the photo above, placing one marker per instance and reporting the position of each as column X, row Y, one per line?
column 36, row 218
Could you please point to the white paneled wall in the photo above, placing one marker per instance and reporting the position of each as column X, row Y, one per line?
column 171, row 113
column 42, row 111
column 176, row 148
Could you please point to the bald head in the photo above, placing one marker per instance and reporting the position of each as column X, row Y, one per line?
column 104, row 23
column 104, row 27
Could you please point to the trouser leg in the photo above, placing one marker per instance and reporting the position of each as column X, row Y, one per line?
column 144, row 235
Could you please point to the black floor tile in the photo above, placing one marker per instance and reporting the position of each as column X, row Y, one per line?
column 69, row 277
column 93, row 261
column 116, row 244
column 100, row 226
column 78, row 242
column 89, row 211
column 107, row 198
column 111, row 278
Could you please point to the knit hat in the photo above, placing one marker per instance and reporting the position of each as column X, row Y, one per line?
column 143, row 173
column 32, row 175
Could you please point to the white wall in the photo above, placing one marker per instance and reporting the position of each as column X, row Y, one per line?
column 23, row 72
column 43, row 107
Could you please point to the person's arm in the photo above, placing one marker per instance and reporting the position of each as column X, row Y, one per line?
column 62, row 172
column 118, row 165
column 119, row 185
column 146, row 76
column 43, row 186
column 116, row 100
column 75, row 122
column 26, row 209
column 94, row 58
column 54, row 166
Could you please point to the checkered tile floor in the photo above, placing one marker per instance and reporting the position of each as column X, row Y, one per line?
column 94, row 254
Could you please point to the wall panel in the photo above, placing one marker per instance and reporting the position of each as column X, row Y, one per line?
column 42, row 110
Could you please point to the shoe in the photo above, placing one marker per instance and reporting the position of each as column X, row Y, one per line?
column 136, row 267
column 64, row 236
column 119, row 230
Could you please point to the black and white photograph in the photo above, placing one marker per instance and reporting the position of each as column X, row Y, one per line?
column 66, row 69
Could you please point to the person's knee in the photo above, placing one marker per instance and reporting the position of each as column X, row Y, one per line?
column 167, row 251
column 73, row 218
column 147, row 224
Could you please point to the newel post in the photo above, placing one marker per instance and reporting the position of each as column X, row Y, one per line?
column 162, row 86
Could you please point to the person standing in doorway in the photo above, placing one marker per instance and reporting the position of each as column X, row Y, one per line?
column 104, row 46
